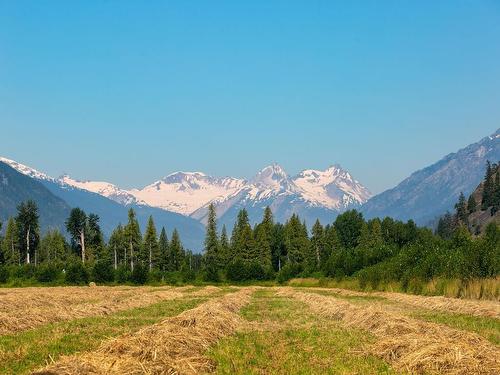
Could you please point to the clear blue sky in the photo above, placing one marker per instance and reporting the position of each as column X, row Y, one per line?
column 128, row 91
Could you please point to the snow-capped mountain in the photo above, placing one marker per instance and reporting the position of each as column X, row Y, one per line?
column 311, row 194
column 105, row 189
column 185, row 192
column 27, row 171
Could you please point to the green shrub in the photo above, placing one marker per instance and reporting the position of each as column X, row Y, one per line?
column 103, row 272
column 122, row 274
column 139, row 275
column 77, row 274
column 47, row 273
column 288, row 272
column 4, row 274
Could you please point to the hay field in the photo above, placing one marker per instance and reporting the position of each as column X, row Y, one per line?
column 242, row 330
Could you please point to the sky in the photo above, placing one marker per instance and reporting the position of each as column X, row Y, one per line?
column 130, row 91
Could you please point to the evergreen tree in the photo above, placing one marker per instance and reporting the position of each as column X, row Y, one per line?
column 117, row 247
column 163, row 249
column 332, row 243
column 176, row 251
column 471, row 204
column 133, row 238
column 76, row 225
column 53, row 247
column 461, row 210
column 224, row 251
column 211, row 255
column 488, row 187
column 150, row 253
column 94, row 239
column 317, row 246
column 446, row 226
column 242, row 240
column 296, row 241
column 278, row 248
column 28, row 230
column 10, row 244
column 263, row 233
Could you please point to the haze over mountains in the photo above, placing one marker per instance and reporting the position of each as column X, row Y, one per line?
column 181, row 199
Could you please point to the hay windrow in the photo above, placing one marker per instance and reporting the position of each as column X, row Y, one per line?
column 461, row 306
column 410, row 344
column 25, row 308
column 174, row 346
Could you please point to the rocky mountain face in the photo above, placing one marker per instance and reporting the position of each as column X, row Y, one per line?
column 428, row 193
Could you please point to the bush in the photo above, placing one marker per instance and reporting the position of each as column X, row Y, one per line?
column 47, row 273
column 236, row 270
column 122, row 274
column 103, row 272
column 4, row 274
column 288, row 272
column 77, row 273
column 24, row 272
column 155, row 276
column 139, row 275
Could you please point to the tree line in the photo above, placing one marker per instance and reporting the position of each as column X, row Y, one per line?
column 127, row 256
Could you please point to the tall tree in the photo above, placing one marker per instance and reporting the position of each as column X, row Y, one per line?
column 488, row 187
column 471, row 204
column 224, row 250
column 10, row 244
column 150, row 245
column 28, row 227
column 348, row 226
column 296, row 241
column 53, row 247
column 242, row 239
column 117, row 246
column 176, row 251
column 133, row 237
column 76, row 225
column 211, row 254
column 317, row 246
column 163, row 250
column 461, row 209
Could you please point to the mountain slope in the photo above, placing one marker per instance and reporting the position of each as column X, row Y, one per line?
column 16, row 187
column 110, row 212
column 431, row 191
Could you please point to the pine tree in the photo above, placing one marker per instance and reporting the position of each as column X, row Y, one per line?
column 348, row 226
column 488, row 187
column 150, row 252
column 296, row 241
column 176, row 251
column 28, row 230
column 332, row 243
column 461, row 210
column 10, row 244
column 242, row 239
column 317, row 246
column 224, row 251
column 133, row 238
column 211, row 255
column 94, row 239
column 278, row 248
column 163, row 249
column 263, row 233
column 471, row 204
column 76, row 225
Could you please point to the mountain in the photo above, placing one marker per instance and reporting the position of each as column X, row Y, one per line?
column 111, row 213
column 185, row 192
column 312, row 194
column 430, row 192
column 15, row 187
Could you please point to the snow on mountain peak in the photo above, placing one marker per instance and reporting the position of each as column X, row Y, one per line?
column 272, row 176
column 24, row 169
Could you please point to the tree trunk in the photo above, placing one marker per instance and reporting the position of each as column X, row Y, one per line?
column 28, row 245
column 150, row 258
column 116, row 260
column 279, row 263
column 317, row 256
column 82, row 244
column 131, row 256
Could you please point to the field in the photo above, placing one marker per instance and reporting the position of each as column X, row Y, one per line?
column 243, row 330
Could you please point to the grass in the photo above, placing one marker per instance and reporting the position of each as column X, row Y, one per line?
column 489, row 328
column 25, row 351
column 283, row 337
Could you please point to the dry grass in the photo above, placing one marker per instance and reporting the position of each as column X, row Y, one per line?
column 446, row 304
column 175, row 345
column 410, row 344
column 26, row 308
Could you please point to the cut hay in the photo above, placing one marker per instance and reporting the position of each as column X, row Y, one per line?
column 410, row 344
column 174, row 346
column 26, row 308
column 460, row 306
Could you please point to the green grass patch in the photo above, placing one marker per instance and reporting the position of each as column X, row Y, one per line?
column 489, row 328
column 25, row 351
column 284, row 337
